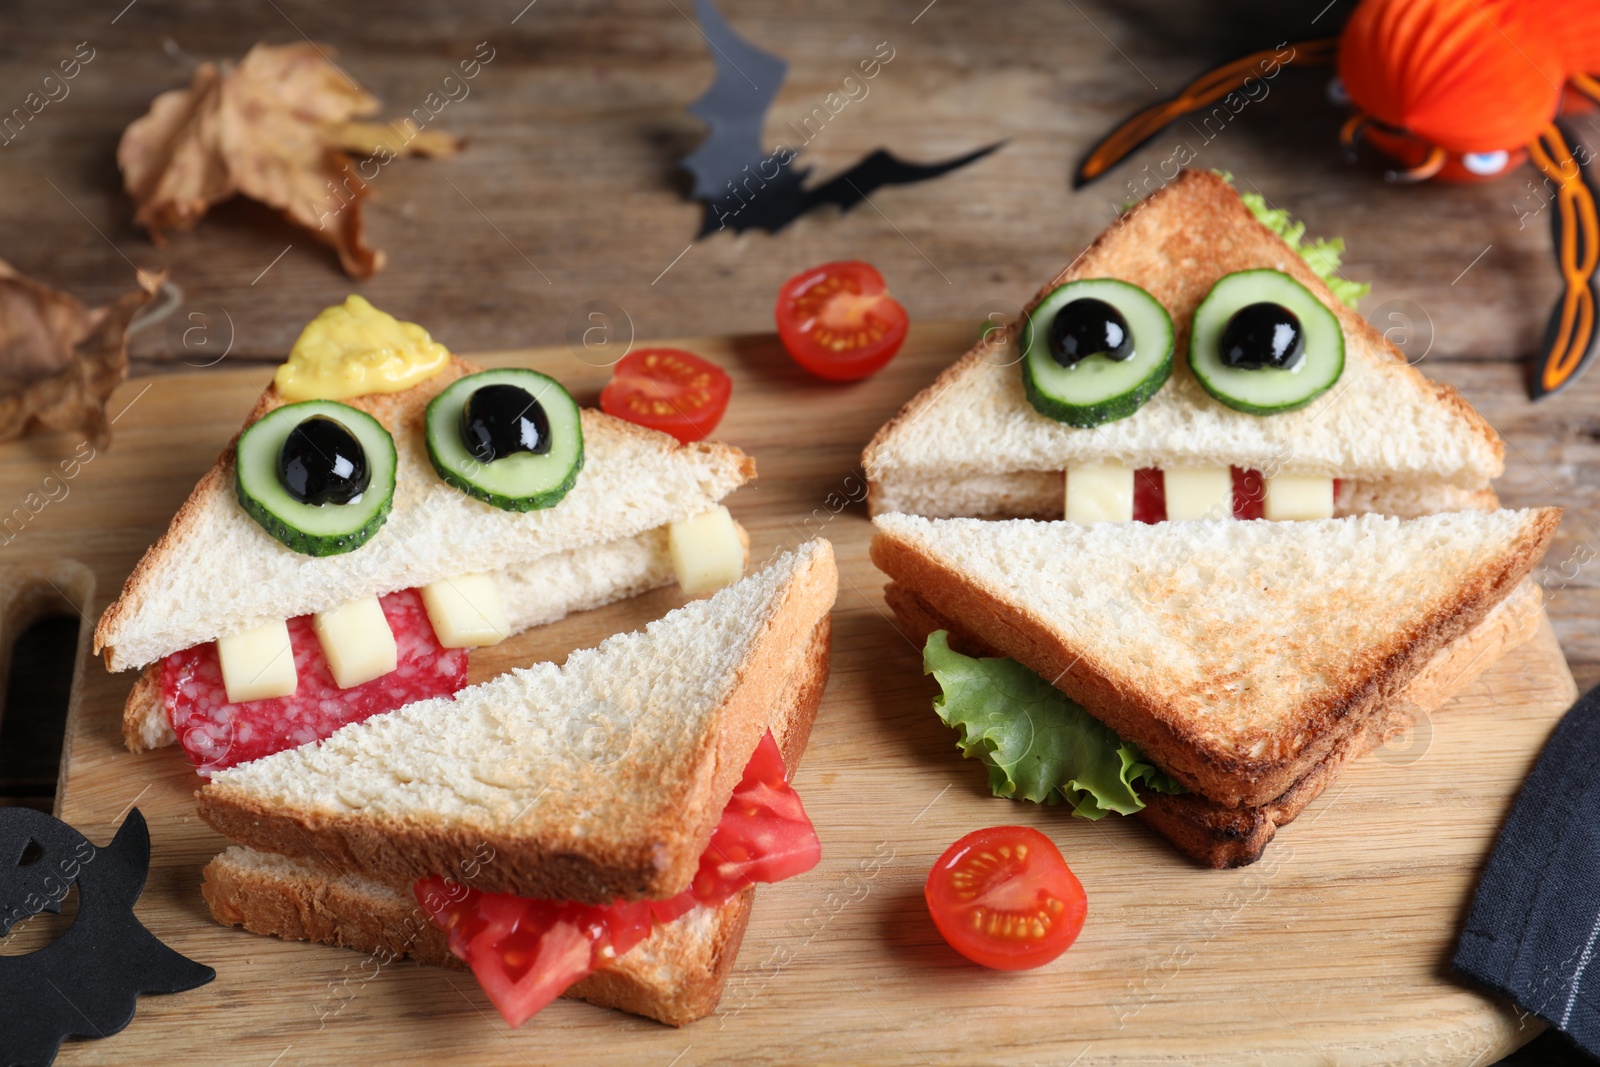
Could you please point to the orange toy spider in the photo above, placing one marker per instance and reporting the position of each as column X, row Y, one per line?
column 1460, row 90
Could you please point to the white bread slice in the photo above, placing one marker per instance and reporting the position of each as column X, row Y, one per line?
column 971, row 444
column 215, row 571
column 675, row 976
column 598, row 780
column 533, row 594
column 1237, row 655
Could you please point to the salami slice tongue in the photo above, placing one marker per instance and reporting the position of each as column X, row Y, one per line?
column 216, row 734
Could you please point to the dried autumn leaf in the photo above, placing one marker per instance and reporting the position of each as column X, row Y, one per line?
column 276, row 128
column 374, row 138
column 60, row 361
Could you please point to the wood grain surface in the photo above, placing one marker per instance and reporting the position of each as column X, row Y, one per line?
column 569, row 191
column 1332, row 950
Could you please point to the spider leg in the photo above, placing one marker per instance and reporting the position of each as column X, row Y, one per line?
column 1430, row 166
column 1586, row 84
column 1202, row 92
column 1571, row 338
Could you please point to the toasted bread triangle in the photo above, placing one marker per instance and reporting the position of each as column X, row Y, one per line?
column 676, row 975
column 1214, row 835
column 593, row 781
column 1235, row 654
column 971, row 444
column 215, row 571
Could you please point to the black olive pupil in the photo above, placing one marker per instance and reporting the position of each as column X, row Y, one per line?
column 1263, row 335
column 501, row 420
column 321, row 462
column 1086, row 327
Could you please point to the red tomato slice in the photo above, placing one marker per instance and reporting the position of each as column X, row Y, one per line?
column 764, row 835
column 1004, row 897
column 839, row 322
column 1149, row 495
column 1249, row 494
column 526, row 952
column 670, row 390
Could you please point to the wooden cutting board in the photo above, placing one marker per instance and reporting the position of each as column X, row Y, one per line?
column 1333, row 949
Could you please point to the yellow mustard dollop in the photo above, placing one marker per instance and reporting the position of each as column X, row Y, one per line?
column 352, row 349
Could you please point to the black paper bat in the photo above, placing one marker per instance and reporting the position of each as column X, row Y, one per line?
column 746, row 187
column 87, row 981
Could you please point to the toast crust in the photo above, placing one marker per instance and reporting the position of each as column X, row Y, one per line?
column 145, row 724
column 1221, row 837
column 647, row 862
column 327, row 909
column 1220, row 773
column 1179, row 281
column 396, row 411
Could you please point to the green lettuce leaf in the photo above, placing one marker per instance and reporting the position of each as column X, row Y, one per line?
column 1037, row 742
column 1323, row 255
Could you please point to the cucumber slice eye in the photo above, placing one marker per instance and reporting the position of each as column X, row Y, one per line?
column 510, row 438
column 1094, row 351
column 318, row 476
column 1261, row 343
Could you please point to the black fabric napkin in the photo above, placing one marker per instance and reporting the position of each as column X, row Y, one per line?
column 1533, row 934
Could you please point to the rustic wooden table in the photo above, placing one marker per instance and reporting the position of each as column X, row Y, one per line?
column 569, row 194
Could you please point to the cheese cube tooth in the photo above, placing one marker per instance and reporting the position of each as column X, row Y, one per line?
column 1298, row 496
column 1199, row 493
column 466, row 611
column 358, row 642
column 258, row 664
column 1100, row 493
column 707, row 552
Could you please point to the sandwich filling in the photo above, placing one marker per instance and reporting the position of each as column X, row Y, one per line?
column 288, row 683
column 1156, row 495
column 526, row 953
column 1038, row 743
column 217, row 732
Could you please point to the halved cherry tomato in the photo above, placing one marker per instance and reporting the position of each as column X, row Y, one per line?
column 670, row 390
column 526, row 952
column 839, row 322
column 1004, row 897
